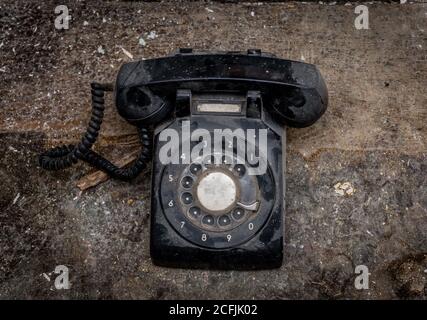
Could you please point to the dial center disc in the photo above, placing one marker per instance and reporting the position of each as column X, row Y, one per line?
column 216, row 191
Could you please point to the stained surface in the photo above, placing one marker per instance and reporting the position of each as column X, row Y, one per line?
column 356, row 181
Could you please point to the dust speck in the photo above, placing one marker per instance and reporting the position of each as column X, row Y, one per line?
column 344, row 189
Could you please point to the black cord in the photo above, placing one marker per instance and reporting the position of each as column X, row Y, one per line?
column 65, row 156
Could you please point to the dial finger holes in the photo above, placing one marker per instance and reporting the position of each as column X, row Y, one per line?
column 187, row 182
column 224, row 221
column 208, row 220
column 238, row 214
column 239, row 169
column 195, row 168
column 194, row 212
column 186, row 198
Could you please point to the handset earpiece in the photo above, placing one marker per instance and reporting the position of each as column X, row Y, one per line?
column 140, row 106
column 299, row 105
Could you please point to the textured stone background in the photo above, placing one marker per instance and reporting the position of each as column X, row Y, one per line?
column 373, row 136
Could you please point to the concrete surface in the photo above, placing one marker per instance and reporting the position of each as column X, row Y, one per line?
column 356, row 180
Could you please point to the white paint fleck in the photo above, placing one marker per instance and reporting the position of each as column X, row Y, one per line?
column 16, row 198
column 152, row 35
column 13, row 149
column 142, row 42
column 101, row 50
column 344, row 189
column 127, row 53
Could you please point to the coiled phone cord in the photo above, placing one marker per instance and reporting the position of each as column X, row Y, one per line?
column 65, row 156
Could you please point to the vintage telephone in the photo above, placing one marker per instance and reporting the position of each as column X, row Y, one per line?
column 211, row 210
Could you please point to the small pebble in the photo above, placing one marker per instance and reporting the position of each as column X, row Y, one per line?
column 152, row 35
column 101, row 50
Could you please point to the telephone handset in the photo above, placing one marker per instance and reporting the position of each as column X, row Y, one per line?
column 213, row 121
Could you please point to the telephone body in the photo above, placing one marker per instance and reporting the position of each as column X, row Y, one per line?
column 218, row 208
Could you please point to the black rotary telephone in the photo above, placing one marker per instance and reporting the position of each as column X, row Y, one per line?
column 213, row 121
